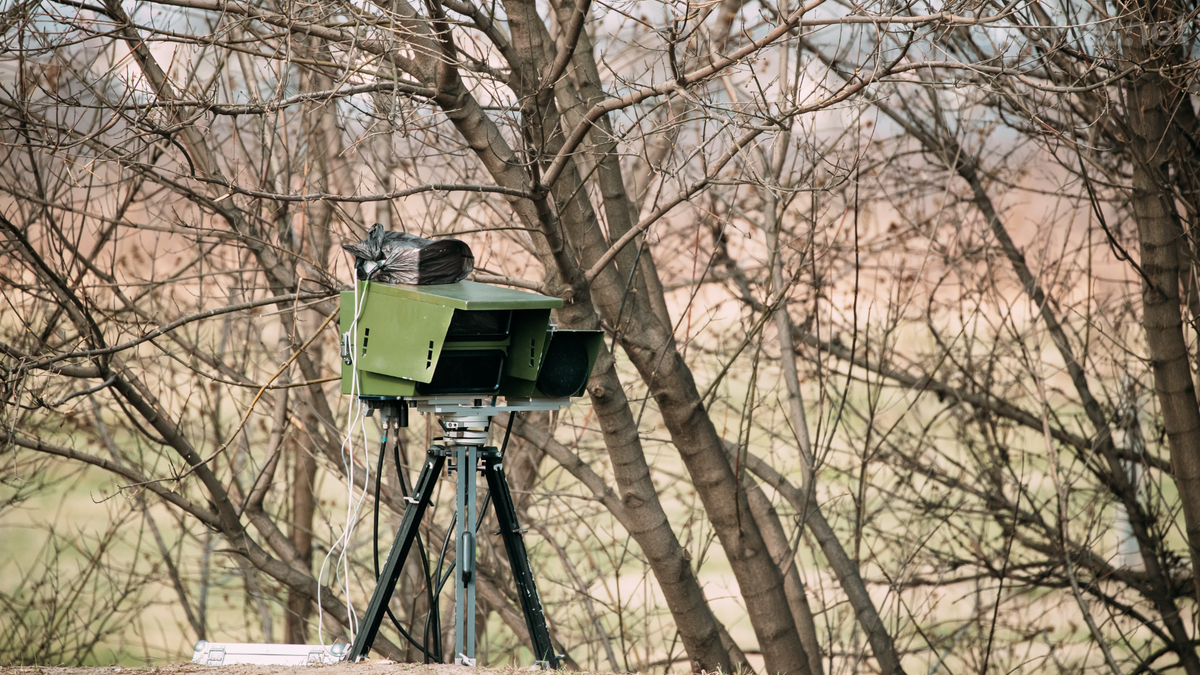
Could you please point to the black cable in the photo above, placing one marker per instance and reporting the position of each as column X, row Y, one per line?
column 434, row 614
column 445, row 549
column 487, row 499
column 375, row 542
column 378, row 482
column 507, row 432
column 405, row 490
column 413, row 641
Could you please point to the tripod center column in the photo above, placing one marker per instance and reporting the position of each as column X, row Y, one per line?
column 469, row 432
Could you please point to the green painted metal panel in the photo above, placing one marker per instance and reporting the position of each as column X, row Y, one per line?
column 395, row 336
column 527, row 343
column 467, row 295
column 374, row 384
column 516, row 387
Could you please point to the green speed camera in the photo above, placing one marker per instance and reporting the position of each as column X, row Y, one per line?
column 464, row 338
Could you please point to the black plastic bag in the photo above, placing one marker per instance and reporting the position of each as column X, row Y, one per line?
column 401, row 258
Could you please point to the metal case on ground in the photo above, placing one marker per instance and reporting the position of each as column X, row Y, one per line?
column 233, row 653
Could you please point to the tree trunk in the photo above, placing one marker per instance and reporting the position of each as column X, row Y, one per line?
column 793, row 586
column 1160, row 237
column 651, row 348
column 299, row 605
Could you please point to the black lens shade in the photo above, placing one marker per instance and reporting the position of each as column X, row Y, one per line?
column 471, row 371
column 565, row 367
column 480, row 325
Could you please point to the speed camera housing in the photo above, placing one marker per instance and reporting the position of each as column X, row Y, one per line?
column 464, row 338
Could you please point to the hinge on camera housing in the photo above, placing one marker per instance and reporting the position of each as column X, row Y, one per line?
column 346, row 349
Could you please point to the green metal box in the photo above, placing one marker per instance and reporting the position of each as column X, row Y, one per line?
column 456, row 339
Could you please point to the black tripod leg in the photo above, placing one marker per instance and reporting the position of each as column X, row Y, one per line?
column 518, row 558
column 417, row 502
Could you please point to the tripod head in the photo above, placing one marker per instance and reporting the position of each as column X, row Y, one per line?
column 464, row 420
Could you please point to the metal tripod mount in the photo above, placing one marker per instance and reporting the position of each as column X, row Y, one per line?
column 465, row 422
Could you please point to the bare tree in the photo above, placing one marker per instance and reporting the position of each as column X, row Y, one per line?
column 846, row 361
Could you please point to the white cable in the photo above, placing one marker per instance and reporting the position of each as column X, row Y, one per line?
column 355, row 410
column 352, row 511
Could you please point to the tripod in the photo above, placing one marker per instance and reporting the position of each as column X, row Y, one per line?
column 465, row 423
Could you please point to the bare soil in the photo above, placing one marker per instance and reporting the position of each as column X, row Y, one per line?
column 379, row 667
